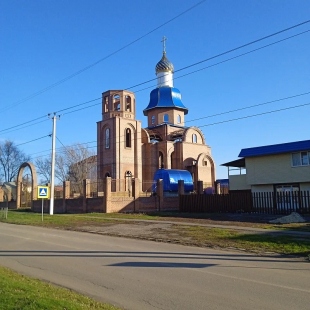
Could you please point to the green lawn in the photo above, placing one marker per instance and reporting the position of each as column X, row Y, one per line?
column 258, row 242
column 21, row 292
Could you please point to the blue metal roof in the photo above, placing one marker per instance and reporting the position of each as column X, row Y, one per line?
column 172, row 176
column 165, row 97
column 276, row 149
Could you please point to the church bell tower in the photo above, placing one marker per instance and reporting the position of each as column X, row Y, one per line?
column 118, row 138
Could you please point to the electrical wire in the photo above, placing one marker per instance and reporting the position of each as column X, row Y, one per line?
column 175, row 78
column 206, row 125
column 32, row 140
column 102, row 59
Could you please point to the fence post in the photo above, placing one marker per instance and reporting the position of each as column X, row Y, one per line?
column 18, row 194
column 65, row 195
column 1, row 194
column 180, row 192
column 199, row 187
column 86, row 193
column 108, row 194
column 160, row 193
column 136, row 194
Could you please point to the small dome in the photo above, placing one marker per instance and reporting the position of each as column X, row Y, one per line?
column 164, row 65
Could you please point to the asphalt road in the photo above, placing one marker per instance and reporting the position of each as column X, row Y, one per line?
column 137, row 274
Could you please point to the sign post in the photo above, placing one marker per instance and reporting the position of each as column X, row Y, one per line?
column 43, row 193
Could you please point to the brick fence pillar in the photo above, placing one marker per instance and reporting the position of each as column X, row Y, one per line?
column 160, row 193
column 86, row 193
column 1, row 194
column 136, row 193
column 65, row 195
column 180, row 192
column 108, row 194
column 199, row 187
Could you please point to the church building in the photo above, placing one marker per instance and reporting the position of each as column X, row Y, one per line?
column 126, row 150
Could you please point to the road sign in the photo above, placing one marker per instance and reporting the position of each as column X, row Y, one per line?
column 43, row 192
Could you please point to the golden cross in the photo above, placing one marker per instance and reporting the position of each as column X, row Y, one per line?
column 164, row 43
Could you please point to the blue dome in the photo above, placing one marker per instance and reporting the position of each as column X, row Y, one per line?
column 165, row 97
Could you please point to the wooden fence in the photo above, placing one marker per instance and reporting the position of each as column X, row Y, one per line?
column 247, row 202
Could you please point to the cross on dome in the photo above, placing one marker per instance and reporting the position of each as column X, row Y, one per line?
column 164, row 43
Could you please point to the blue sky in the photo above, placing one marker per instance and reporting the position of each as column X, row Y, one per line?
column 44, row 42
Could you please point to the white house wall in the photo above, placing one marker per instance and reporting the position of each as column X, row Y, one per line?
column 238, row 182
column 275, row 169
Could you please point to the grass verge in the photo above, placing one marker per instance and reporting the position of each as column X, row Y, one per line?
column 21, row 292
column 254, row 242
column 182, row 234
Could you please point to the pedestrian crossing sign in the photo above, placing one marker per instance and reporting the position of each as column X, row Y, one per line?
column 43, row 192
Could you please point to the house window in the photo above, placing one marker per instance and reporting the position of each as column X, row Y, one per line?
column 304, row 158
column 179, row 119
column 153, row 120
column 194, row 138
column 166, row 118
column 107, row 138
column 300, row 159
column 128, row 137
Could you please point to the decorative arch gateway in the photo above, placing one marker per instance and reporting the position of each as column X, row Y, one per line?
column 200, row 161
column 34, row 182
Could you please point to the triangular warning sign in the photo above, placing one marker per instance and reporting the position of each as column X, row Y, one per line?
column 43, row 192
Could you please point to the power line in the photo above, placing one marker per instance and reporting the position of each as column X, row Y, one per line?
column 221, row 62
column 259, row 114
column 207, row 59
column 33, row 140
column 212, row 124
column 102, row 59
column 22, row 127
column 249, row 107
column 234, row 49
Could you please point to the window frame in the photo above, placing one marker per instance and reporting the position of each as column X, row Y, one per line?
column 127, row 138
column 301, row 157
column 107, row 138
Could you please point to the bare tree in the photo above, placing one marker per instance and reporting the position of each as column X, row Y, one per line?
column 43, row 166
column 11, row 157
column 73, row 163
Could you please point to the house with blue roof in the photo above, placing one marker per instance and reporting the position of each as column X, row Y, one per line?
column 274, row 168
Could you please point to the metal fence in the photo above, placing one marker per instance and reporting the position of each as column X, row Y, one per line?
column 263, row 202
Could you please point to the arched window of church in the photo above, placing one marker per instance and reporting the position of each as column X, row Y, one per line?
column 161, row 160
column 107, row 175
column 107, row 138
column 205, row 161
column 153, row 119
column 179, row 119
column 128, row 137
column 171, row 160
column 128, row 103
column 106, row 103
column 166, row 118
column 116, row 102
column 194, row 138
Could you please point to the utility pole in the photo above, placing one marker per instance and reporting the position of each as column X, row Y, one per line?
column 54, row 118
